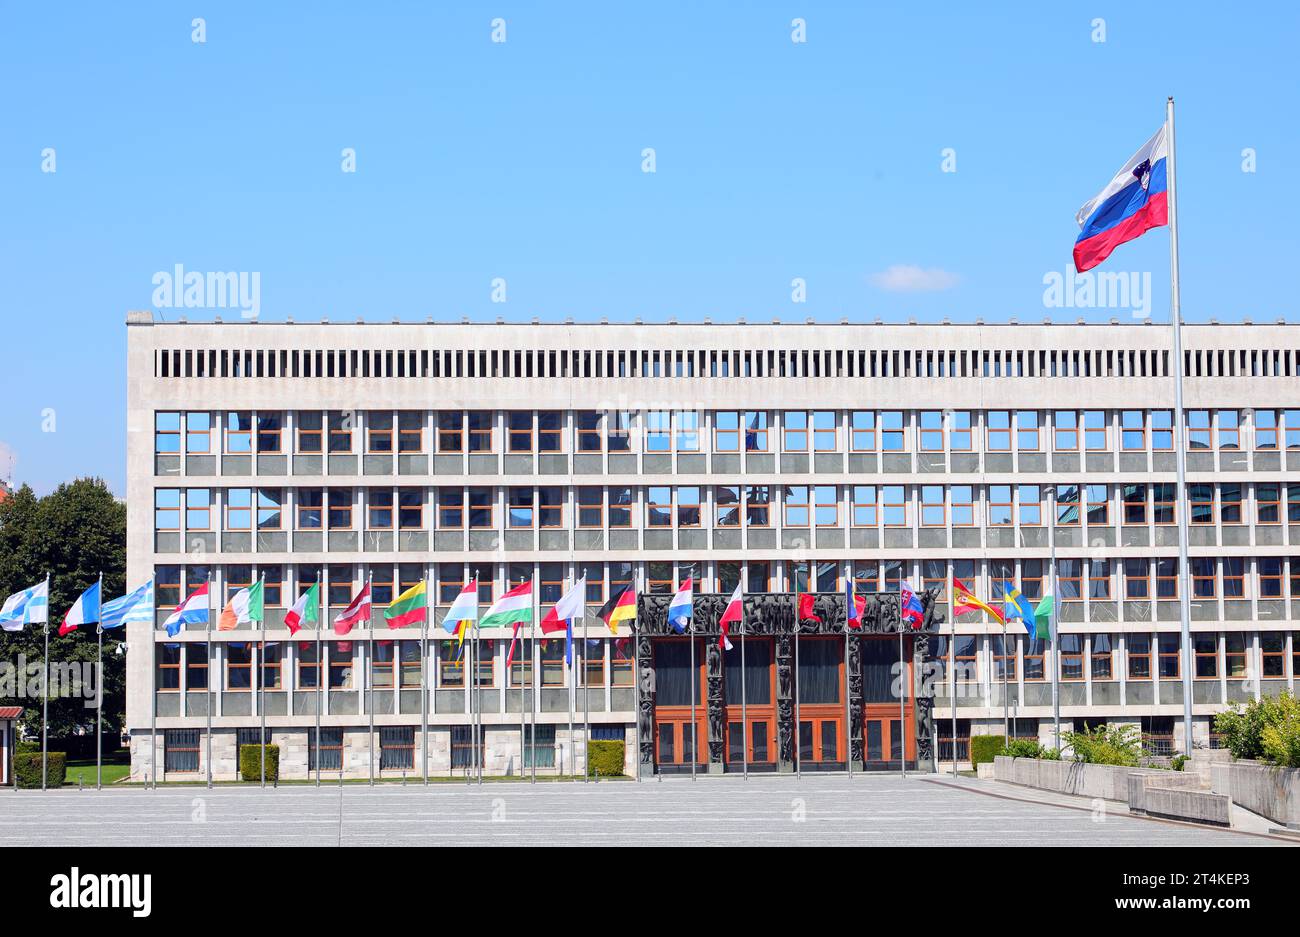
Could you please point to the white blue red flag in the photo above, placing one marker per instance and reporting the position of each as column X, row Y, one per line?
column 681, row 608
column 193, row 611
column 911, row 608
column 1135, row 201
column 84, row 611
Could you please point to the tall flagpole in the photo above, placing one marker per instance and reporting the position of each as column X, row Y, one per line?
column 523, row 695
column 532, row 667
column 45, row 686
column 1176, row 323
column 744, row 712
column 573, row 691
column 798, row 729
column 586, row 698
column 1051, row 631
column 848, row 707
column 952, row 658
column 153, row 696
column 695, row 686
column 208, row 701
column 320, row 676
column 1006, row 697
column 902, row 696
column 370, row 681
column 261, row 681
column 99, row 707
column 424, row 681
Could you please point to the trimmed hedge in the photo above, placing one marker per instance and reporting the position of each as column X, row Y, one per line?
column 27, row 769
column 27, row 746
column 605, row 758
column 250, row 762
column 984, row 747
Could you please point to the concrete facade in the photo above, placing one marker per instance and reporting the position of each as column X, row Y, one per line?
column 791, row 456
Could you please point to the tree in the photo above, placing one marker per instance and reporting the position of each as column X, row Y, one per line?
column 74, row 534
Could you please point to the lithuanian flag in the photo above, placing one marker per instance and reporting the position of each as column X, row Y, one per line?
column 620, row 607
column 409, row 608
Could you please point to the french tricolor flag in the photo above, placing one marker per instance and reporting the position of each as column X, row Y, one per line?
column 681, row 608
column 193, row 611
column 1135, row 201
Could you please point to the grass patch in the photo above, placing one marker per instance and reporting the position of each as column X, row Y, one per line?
column 82, row 772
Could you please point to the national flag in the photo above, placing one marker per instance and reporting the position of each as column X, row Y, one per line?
column 29, row 607
column 1017, row 606
column 463, row 611
column 854, row 604
column 735, row 611
column 806, row 602
column 963, row 601
column 84, row 611
column 132, row 608
column 1135, row 201
column 409, row 608
column 910, row 607
column 1043, row 617
column 357, row 612
column 682, row 607
column 244, row 606
column 193, row 611
column 572, row 606
column 306, row 609
column 515, row 607
column 620, row 607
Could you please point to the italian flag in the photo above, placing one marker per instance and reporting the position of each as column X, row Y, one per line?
column 306, row 609
column 513, row 608
column 409, row 608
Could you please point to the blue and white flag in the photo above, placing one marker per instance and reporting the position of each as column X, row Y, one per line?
column 28, row 607
column 129, row 609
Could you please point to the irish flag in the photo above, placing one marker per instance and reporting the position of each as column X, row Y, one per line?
column 306, row 609
column 409, row 608
column 244, row 605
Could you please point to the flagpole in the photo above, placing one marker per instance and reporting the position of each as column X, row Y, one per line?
column 1051, row 631
column 902, row 696
column 207, row 635
column 320, row 677
column 261, row 679
column 523, row 726
column 848, row 708
column 153, row 696
column 744, row 712
column 798, row 732
column 99, row 708
column 424, row 682
column 573, row 691
column 370, row 681
column 695, row 687
column 1006, row 698
column 45, row 686
column 952, row 658
column 586, row 698
column 1176, row 317
column 532, row 667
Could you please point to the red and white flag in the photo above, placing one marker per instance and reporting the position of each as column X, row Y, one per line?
column 735, row 611
column 356, row 613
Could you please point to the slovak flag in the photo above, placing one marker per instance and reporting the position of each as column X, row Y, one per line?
column 853, row 604
column 681, row 608
column 735, row 611
column 84, row 611
column 193, row 611
column 910, row 605
column 1135, row 201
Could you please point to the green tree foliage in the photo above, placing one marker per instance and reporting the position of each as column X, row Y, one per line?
column 74, row 534
column 1106, row 745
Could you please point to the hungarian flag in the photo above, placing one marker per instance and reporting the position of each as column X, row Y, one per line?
column 735, row 611
column 620, row 607
column 357, row 612
column 244, row 605
column 306, row 609
column 806, row 602
column 963, row 601
column 513, row 608
column 409, row 608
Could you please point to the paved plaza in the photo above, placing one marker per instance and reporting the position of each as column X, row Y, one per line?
column 873, row 810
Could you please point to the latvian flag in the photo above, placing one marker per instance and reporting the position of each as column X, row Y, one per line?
column 357, row 612
column 1135, row 201
column 193, row 611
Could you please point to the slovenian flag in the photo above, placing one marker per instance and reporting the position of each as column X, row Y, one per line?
column 193, row 611
column 911, row 608
column 735, row 611
column 1135, row 201
column 84, row 611
column 681, row 608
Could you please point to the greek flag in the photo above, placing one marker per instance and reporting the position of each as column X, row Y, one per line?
column 28, row 607
column 136, row 607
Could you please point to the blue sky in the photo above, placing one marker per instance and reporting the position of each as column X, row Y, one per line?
column 523, row 160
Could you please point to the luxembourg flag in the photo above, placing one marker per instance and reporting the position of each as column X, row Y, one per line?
column 84, row 611
column 193, row 611
column 1135, row 201
column 681, row 608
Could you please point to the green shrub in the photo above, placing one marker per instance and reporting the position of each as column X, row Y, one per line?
column 1267, row 729
column 27, row 769
column 605, row 758
column 1107, row 745
column 250, row 762
column 984, row 747
column 1178, row 762
column 1029, row 748
column 26, row 746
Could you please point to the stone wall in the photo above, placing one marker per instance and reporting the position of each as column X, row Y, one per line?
column 1263, row 789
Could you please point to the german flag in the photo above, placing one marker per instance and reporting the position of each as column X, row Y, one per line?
column 620, row 607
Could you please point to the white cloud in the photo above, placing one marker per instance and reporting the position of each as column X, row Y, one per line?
column 909, row 278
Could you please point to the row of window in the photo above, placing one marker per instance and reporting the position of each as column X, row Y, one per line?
column 526, row 431
column 1097, row 656
column 339, row 665
column 1138, row 579
column 686, row 506
column 907, row 362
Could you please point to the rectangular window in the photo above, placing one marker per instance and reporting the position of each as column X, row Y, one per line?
column 451, row 509
column 826, row 505
column 269, row 428
column 1205, row 647
column 862, row 436
column 181, row 751
column 379, row 431
column 688, row 506
column 309, row 428
column 1229, row 429
column 590, row 430
column 794, row 431
column 379, row 509
column 1163, row 501
column 451, row 666
column 519, row 508
column 169, row 667
column 198, row 433
column 1265, row 429
column 758, row 501
column 795, row 504
column 397, row 747
column 1096, row 432
column 1272, row 652
column 1027, row 430
column 891, row 430
column 519, row 431
column 1166, row 578
column 591, row 507
column 619, row 507
column 726, row 501
column 1103, row 657
column 1230, row 503
column 167, row 509
column 1133, row 437
column 451, row 431
column 959, row 431
column 410, row 431
column 1268, row 503
column 963, row 505
column 340, row 431
column 1098, row 506
column 1162, row 430
column 410, row 508
column 1168, row 649
column 659, row 506
column 1069, row 576
column 481, row 506
column 1234, row 577
column 1000, row 506
column 1270, row 577
column 825, row 431
column 239, row 509
column 198, row 509
column 1203, row 577
column 550, row 431
column 895, row 506
column 1071, row 656
column 1138, row 651
column 932, row 431
column 1067, row 505
column 1137, row 580
column 1066, row 431
column 756, row 431
column 933, row 510
column 998, row 430
column 1099, row 579
column 239, row 665
column 726, row 431
column 1031, row 505
column 1235, row 655
column 167, row 433
column 479, row 430
column 1135, row 505
column 1198, row 429
column 340, row 509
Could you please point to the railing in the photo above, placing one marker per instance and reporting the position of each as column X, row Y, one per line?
column 1159, row 745
column 946, row 747
column 1217, row 741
